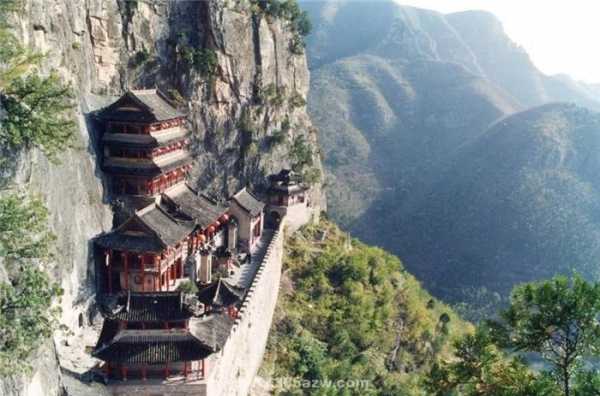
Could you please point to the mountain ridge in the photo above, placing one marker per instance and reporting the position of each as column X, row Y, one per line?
column 392, row 158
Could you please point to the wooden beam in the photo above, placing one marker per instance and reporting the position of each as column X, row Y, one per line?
column 126, row 265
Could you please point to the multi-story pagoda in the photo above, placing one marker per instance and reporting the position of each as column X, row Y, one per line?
column 145, row 143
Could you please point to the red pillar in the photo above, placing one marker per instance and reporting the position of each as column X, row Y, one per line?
column 124, row 373
column 203, row 369
column 167, row 276
column 166, row 370
column 143, row 264
column 185, row 369
column 144, row 372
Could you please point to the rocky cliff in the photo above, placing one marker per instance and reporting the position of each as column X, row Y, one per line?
column 227, row 63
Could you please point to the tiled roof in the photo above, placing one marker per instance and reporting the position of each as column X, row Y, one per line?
column 166, row 228
column 152, row 347
column 203, row 210
column 149, row 106
column 119, row 240
column 148, row 141
column 146, row 167
column 147, row 307
column 157, row 104
column 287, row 181
column 161, row 231
column 220, row 294
column 212, row 330
column 248, row 202
column 286, row 176
column 110, row 328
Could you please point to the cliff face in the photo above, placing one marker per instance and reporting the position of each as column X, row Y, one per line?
column 230, row 65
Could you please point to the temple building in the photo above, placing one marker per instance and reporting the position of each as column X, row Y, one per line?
column 248, row 211
column 144, row 144
column 289, row 196
column 175, row 236
column 220, row 296
column 147, row 335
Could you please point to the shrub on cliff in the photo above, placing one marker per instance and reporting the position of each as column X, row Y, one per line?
column 37, row 114
column 34, row 110
column 27, row 316
column 290, row 11
column 202, row 60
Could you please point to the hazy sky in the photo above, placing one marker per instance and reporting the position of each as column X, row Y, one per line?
column 561, row 36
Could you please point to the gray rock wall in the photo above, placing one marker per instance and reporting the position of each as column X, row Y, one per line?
column 94, row 45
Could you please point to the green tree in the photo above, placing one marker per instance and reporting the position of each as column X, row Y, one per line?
column 34, row 110
column 558, row 319
column 26, row 314
column 23, row 230
column 26, row 317
column 587, row 383
column 188, row 287
column 37, row 114
column 480, row 368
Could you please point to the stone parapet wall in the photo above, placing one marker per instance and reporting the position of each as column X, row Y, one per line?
column 232, row 371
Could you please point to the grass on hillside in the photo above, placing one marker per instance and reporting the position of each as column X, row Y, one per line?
column 348, row 311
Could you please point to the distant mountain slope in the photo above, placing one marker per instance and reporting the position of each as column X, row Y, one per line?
column 509, row 66
column 393, row 122
column 395, row 89
column 403, row 98
column 521, row 202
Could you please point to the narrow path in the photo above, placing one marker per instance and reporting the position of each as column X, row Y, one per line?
column 245, row 274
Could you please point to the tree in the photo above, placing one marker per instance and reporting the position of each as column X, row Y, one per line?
column 23, row 230
column 26, row 317
column 34, row 110
column 587, row 383
column 480, row 368
column 558, row 319
column 26, row 314
column 36, row 115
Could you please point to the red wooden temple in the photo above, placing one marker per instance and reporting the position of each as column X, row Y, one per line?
column 151, row 330
column 145, row 143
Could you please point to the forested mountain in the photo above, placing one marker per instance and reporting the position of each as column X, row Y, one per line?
column 412, row 105
column 348, row 311
column 519, row 203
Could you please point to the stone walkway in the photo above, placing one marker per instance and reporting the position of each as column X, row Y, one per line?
column 245, row 274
